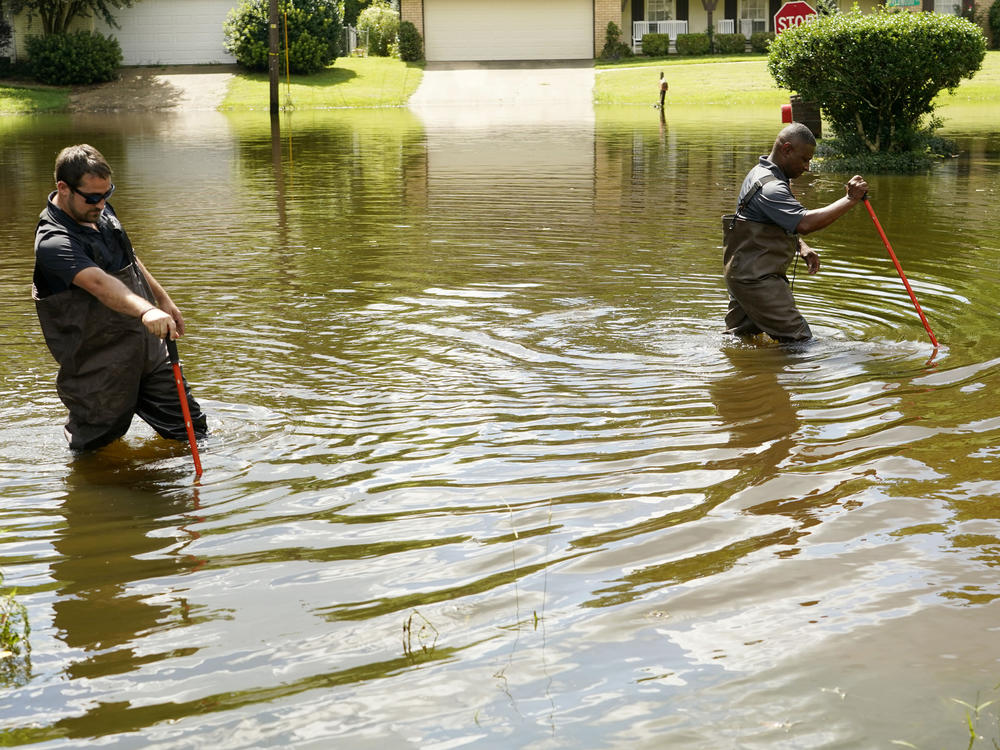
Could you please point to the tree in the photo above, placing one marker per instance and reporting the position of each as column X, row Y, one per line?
column 314, row 32
column 876, row 75
column 381, row 23
column 57, row 15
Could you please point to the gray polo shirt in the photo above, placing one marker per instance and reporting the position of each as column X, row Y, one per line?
column 773, row 203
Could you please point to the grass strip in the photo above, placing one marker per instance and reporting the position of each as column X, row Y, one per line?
column 350, row 82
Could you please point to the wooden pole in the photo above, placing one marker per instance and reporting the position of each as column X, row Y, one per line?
column 272, row 54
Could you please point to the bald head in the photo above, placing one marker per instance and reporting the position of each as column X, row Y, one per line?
column 793, row 149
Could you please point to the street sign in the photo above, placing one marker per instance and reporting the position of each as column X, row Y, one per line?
column 792, row 14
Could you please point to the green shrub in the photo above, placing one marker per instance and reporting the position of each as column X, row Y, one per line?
column 994, row 20
column 730, row 44
column 614, row 47
column 314, row 32
column 693, row 44
column 382, row 24
column 876, row 75
column 761, row 40
column 411, row 46
column 77, row 58
column 656, row 45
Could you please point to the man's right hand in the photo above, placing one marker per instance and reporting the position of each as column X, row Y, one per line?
column 857, row 188
column 159, row 323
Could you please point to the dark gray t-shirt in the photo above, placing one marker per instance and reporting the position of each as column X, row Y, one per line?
column 773, row 203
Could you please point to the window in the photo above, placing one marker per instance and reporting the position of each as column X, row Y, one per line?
column 754, row 10
column 659, row 10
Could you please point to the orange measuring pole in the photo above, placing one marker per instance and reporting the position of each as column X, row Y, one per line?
column 176, row 362
column 899, row 269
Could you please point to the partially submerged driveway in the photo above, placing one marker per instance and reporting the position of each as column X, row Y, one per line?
column 565, row 86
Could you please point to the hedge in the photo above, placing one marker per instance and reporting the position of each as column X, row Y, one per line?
column 730, row 44
column 760, row 41
column 656, row 45
column 693, row 44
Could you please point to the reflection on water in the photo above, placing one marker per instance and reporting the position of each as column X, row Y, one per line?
column 484, row 470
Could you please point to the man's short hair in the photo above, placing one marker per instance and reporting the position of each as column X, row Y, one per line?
column 74, row 162
column 797, row 133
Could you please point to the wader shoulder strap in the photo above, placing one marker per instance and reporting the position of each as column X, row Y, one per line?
column 749, row 196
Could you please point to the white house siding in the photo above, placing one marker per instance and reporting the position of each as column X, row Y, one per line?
column 171, row 32
column 511, row 30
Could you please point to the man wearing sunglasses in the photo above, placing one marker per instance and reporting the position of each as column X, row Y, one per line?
column 103, row 314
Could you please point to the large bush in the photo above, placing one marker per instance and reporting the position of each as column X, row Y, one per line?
column 411, row 46
column 730, row 44
column 77, row 58
column 693, row 44
column 314, row 32
column 382, row 24
column 875, row 76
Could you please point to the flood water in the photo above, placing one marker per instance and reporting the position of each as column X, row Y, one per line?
column 483, row 470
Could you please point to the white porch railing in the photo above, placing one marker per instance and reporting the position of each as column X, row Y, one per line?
column 725, row 26
column 749, row 26
column 639, row 28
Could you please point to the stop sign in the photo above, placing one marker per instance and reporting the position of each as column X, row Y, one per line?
column 792, row 14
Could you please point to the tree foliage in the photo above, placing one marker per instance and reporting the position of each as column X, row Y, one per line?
column 314, row 32
column 876, row 75
column 411, row 46
column 381, row 24
column 58, row 15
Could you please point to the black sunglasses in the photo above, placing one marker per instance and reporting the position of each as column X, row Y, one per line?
column 94, row 198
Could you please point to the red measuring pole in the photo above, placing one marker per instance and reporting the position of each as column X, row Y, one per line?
column 176, row 362
column 899, row 269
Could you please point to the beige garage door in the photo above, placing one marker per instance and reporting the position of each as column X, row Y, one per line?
column 509, row 30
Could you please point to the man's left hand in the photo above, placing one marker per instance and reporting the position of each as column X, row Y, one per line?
column 810, row 256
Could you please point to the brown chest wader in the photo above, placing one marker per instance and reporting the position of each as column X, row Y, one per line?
column 755, row 256
column 111, row 367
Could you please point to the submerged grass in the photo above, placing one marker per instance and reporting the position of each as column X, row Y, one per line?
column 350, row 82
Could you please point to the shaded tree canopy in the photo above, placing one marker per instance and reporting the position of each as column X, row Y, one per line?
column 58, row 15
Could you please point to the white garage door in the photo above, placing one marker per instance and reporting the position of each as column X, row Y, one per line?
column 509, row 30
column 171, row 32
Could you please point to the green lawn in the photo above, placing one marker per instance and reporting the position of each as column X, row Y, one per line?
column 351, row 82
column 17, row 100
column 693, row 80
column 739, row 80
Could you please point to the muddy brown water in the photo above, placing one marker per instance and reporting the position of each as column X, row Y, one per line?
column 483, row 470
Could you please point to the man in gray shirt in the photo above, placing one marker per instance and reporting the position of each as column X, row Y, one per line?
column 763, row 237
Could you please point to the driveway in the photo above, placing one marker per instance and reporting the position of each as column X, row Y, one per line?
column 521, row 85
column 145, row 89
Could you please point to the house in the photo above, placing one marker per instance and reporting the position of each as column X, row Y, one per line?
column 153, row 32
column 467, row 30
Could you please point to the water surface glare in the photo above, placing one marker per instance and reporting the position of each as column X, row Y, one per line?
column 484, row 472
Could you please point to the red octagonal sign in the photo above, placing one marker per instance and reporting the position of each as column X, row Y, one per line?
column 792, row 14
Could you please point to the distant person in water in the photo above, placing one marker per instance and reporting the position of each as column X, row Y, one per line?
column 763, row 237
column 103, row 314
column 663, row 89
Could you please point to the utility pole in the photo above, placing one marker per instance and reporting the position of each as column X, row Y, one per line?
column 272, row 55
